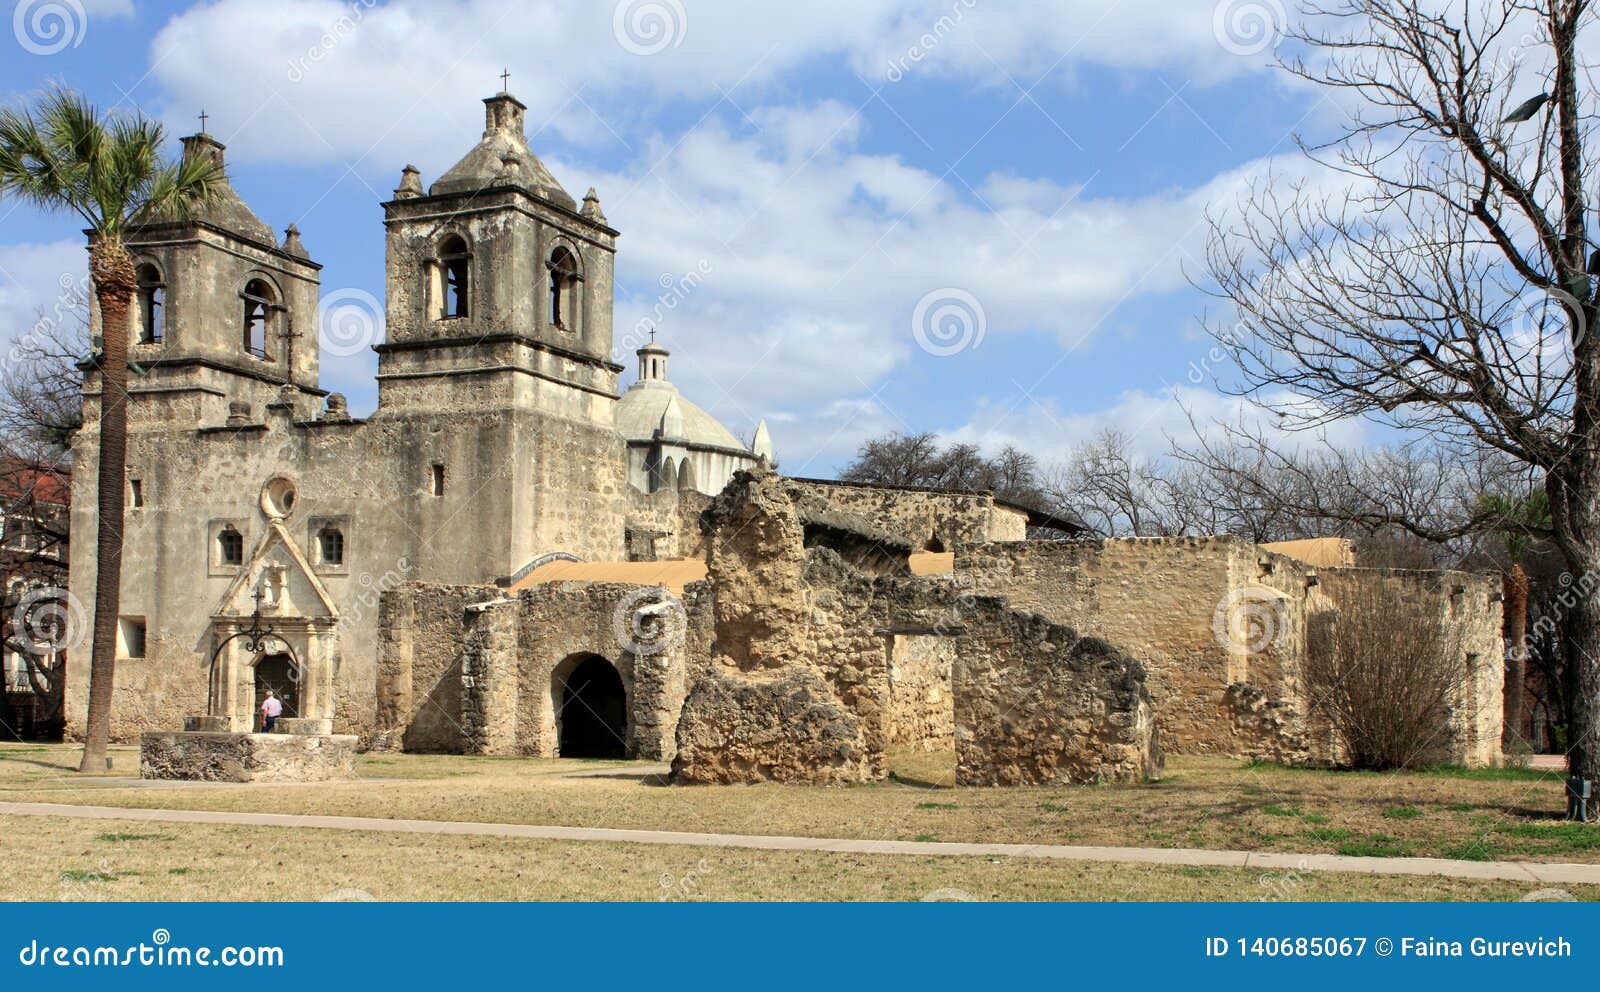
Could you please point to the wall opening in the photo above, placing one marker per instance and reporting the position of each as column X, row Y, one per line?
column 591, row 709
column 277, row 672
column 921, row 720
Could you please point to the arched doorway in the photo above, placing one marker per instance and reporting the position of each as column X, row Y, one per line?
column 591, row 709
column 277, row 672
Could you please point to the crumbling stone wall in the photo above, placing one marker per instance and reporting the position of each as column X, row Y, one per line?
column 798, row 686
column 422, row 645
column 665, row 524
column 1035, row 704
column 921, row 517
column 1224, row 627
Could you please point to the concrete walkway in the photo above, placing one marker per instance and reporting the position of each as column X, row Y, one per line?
column 1515, row 871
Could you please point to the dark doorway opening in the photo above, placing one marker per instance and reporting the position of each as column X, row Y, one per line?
column 278, row 673
column 592, row 711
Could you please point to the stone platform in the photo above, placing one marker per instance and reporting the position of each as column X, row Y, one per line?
column 226, row 757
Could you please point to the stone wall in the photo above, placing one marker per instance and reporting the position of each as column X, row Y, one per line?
column 1035, row 704
column 1223, row 628
column 798, row 686
column 926, row 519
column 470, row 670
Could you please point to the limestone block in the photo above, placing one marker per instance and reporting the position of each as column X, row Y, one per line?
column 214, row 757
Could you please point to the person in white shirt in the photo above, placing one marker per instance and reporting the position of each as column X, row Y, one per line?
column 271, row 709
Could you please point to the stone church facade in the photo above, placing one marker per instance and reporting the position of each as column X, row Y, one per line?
column 511, row 555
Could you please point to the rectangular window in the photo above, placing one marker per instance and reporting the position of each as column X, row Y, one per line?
column 130, row 637
column 438, row 479
column 135, row 493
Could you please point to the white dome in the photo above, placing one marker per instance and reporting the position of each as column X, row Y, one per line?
column 648, row 402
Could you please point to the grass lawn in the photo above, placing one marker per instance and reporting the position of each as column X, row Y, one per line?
column 1495, row 814
column 51, row 859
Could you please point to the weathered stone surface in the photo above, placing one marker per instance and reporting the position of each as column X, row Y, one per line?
column 247, row 757
column 1035, row 704
column 735, row 729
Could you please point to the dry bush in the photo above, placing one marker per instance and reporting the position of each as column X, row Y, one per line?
column 1386, row 678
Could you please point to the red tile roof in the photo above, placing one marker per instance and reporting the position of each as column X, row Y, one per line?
column 47, row 483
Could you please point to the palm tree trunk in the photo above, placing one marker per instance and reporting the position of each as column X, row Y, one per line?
column 1514, row 586
column 113, row 274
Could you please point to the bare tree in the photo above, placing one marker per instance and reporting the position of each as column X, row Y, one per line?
column 1446, row 291
column 921, row 460
column 41, row 386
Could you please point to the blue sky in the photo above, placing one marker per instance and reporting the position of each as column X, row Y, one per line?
column 1027, row 180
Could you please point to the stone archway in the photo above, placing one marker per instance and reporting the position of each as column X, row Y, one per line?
column 591, row 707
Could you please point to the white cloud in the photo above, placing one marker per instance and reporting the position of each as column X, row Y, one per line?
column 320, row 80
column 1152, row 419
column 44, row 282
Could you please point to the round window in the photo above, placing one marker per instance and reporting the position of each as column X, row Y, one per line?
column 277, row 498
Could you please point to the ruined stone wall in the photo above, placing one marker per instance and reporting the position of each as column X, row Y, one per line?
column 1223, row 628
column 921, row 517
column 1155, row 599
column 1036, row 704
column 424, row 640
column 798, row 688
column 468, row 670
column 665, row 524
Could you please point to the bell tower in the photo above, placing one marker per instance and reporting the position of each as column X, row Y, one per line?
column 224, row 312
column 499, row 284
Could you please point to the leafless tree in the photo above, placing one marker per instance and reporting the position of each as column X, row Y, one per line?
column 1444, row 287
column 922, row 460
column 41, row 386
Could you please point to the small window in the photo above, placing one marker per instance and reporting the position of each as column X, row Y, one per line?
column 230, row 546
column 259, row 305
column 151, row 292
column 135, row 493
column 455, row 263
column 130, row 635
column 438, row 479
column 330, row 545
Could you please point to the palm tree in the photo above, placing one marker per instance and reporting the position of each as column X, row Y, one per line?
column 105, row 168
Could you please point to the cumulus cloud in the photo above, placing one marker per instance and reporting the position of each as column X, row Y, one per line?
column 358, row 82
column 1153, row 419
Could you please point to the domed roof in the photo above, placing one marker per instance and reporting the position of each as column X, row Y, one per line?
column 650, row 405
column 503, row 158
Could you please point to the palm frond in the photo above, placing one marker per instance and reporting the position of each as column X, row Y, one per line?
column 105, row 167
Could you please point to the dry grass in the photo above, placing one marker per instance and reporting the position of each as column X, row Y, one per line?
column 1202, row 802
column 51, row 859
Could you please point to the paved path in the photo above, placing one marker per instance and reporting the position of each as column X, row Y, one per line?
column 1516, row 871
